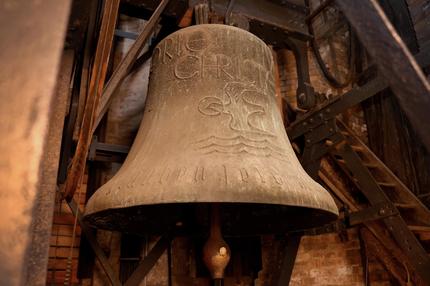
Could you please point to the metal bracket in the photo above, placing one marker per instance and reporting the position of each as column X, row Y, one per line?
column 316, row 146
column 374, row 212
column 335, row 106
column 305, row 92
column 103, row 152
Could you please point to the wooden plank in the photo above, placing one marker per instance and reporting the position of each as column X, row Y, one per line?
column 126, row 64
column 403, row 193
column 149, row 261
column 387, row 49
column 376, row 248
column 101, row 256
column 395, row 224
column 98, row 75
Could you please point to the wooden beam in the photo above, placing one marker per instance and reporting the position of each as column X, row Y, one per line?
column 290, row 254
column 378, row 250
column 394, row 60
column 101, row 256
column 126, row 64
column 98, row 76
column 149, row 261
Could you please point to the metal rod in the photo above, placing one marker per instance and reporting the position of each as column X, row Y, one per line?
column 318, row 10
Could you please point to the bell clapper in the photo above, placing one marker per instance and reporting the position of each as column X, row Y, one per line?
column 216, row 252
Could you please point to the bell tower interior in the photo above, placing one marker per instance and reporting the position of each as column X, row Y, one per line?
column 215, row 142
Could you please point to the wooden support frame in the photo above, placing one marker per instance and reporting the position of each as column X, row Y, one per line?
column 290, row 254
column 416, row 254
column 98, row 75
column 87, row 129
column 94, row 111
column 143, row 268
column 107, row 268
column 394, row 60
column 126, row 64
column 149, row 261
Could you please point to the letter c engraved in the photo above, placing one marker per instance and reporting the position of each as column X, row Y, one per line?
column 187, row 67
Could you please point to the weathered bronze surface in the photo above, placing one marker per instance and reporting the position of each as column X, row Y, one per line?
column 211, row 133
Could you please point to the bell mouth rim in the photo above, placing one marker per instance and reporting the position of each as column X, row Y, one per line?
column 238, row 218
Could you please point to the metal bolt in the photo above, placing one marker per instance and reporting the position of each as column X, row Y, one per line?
column 311, row 120
column 381, row 211
column 308, row 140
column 302, row 97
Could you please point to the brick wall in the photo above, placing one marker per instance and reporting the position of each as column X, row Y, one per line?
column 65, row 241
column 327, row 260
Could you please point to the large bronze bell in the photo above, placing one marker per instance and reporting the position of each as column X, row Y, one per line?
column 211, row 133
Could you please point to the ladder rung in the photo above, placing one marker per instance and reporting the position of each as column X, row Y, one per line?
column 368, row 165
column 419, row 228
column 371, row 165
column 346, row 133
column 357, row 148
column 404, row 205
column 386, row 184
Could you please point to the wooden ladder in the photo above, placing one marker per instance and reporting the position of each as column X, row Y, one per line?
column 404, row 215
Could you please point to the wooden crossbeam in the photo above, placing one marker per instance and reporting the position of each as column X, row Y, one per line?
column 101, row 256
column 127, row 63
column 394, row 60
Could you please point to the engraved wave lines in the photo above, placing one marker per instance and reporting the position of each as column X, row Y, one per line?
column 239, row 145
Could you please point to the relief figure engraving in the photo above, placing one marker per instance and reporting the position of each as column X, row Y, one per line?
column 246, row 110
column 243, row 103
